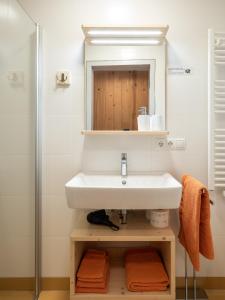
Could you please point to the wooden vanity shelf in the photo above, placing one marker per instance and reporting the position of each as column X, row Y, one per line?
column 136, row 233
column 162, row 133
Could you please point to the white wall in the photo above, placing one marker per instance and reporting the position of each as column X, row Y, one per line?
column 64, row 147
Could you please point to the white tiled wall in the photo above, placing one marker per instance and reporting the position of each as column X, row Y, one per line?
column 65, row 151
column 143, row 154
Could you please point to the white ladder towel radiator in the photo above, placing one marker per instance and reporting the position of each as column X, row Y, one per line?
column 216, row 111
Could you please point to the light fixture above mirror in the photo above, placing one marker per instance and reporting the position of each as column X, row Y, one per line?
column 143, row 35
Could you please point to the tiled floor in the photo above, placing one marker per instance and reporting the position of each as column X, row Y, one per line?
column 64, row 295
column 216, row 294
column 16, row 295
column 54, row 295
column 61, row 295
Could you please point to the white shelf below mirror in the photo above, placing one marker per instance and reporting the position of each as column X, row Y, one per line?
column 125, row 133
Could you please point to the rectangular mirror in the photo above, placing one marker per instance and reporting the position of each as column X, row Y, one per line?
column 119, row 80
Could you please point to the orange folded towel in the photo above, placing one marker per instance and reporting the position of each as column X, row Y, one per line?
column 145, row 271
column 91, row 290
column 195, row 231
column 93, row 273
column 94, row 288
column 92, row 266
column 93, row 283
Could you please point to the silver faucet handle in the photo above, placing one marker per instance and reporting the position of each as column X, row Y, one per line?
column 124, row 156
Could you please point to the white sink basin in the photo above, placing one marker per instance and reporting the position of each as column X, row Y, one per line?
column 100, row 191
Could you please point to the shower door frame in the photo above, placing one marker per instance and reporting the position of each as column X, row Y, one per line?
column 38, row 160
column 37, row 152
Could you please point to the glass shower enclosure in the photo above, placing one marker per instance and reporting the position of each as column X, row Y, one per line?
column 20, row 155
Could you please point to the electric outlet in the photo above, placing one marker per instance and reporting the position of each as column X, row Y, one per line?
column 159, row 144
column 176, row 143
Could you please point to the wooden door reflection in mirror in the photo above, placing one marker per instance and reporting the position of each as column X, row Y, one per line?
column 118, row 94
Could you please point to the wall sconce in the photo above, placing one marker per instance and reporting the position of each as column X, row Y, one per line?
column 142, row 35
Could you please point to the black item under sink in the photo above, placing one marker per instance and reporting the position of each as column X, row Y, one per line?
column 99, row 217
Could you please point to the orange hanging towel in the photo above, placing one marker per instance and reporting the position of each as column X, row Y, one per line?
column 195, row 231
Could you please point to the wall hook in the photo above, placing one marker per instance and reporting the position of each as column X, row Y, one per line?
column 63, row 78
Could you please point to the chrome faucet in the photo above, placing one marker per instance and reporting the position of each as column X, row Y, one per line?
column 123, row 165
